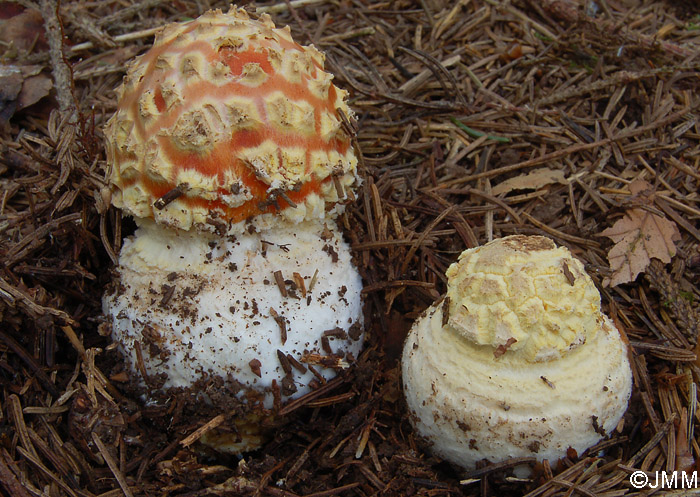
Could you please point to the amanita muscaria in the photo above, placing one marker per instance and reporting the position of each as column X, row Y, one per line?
column 228, row 149
column 517, row 360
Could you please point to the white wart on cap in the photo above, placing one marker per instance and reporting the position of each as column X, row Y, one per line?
column 518, row 360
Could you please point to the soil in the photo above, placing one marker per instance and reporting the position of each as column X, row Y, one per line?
column 456, row 104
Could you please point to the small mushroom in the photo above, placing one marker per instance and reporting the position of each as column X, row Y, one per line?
column 518, row 360
column 228, row 150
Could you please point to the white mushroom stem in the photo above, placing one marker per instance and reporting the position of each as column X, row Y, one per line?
column 470, row 405
column 256, row 311
column 518, row 360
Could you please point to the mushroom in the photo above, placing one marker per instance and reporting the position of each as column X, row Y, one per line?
column 229, row 149
column 517, row 360
column 227, row 120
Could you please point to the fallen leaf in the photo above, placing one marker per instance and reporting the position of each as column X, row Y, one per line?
column 639, row 236
column 34, row 89
column 532, row 181
column 10, row 86
column 24, row 30
column 20, row 87
column 9, row 9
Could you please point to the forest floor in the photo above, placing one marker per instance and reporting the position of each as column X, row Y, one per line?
column 476, row 119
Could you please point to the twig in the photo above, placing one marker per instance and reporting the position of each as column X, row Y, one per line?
column 128, row 11
column 118, row 39
column 561, row 234
column 281, row 7
column 382, row 285
column 566, row 151
column 197, row 434
column 418, row 80
column 419, row 241
column 355, row 33
column 334, row 491
column 112, row 465
column 8, row 479
column 620, row 77
column 303, row 400
column 439, row 71
column 61, row 72
column 29, row 360
column 14, row 296
column 22, row 248
column 569, row 12
column 34, row 459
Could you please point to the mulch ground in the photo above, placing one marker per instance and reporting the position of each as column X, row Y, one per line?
column 457, row 104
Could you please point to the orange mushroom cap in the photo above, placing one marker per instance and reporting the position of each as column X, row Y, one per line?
column 227, row 119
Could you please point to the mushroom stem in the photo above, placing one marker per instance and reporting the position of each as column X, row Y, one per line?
column 524, row 364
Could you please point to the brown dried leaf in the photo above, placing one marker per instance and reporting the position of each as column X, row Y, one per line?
column 532, row 181
column 10, row 86
column 34, row 89
column 20, row 87
column 639, row 236
column 22, row 30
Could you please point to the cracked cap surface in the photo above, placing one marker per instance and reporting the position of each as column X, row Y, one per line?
column 525, row 294
column 227, row 119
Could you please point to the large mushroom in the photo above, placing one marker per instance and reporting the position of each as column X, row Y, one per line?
column 517, row 360
column 229, row 149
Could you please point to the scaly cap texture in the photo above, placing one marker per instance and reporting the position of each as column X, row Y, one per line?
column 227, row 119
column 524, row 294
column 517, row 361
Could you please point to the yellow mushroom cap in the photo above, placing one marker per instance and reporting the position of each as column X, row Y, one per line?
column 517, row 361
column 525, row 294
column 226, row 119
